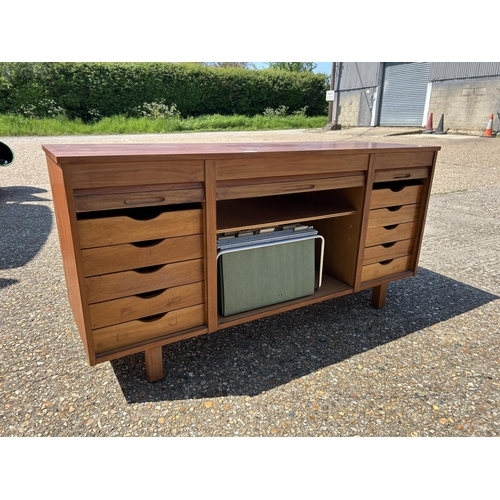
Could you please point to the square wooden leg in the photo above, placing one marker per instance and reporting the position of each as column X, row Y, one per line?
column 378, row 295
column 154, row 364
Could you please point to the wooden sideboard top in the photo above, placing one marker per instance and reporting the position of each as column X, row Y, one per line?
column 76, row 153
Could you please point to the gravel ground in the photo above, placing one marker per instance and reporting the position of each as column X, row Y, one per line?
column 425, row 365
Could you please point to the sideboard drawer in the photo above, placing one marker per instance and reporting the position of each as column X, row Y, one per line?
column 115, row 258
column 133, row 332
column 112, row 312
column 231, row 190
column 126, row 283
column 386, row 268
column 393, row 215
column 388, row 234
column 396, row 195
column 148, row 225
column 401, row 174
column 387, row 251
column 110, row 201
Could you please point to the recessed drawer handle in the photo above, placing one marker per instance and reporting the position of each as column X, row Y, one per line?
column 395, row 209
column 390, row 228
column 402, row 176
column 152, row 319
column 146, row 244
column 299, row 187
column 148, row 270
column 141, row 201
column 150, row 295
column 386, row 262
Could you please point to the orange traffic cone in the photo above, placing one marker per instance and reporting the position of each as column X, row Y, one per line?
column 428, row 129
column 489, row 129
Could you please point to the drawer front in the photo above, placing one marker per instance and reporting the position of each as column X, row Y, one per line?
column 126, row 283
column 115, row 258
column 387, row 251
column 251, row 168
column 236, row 191
column 388, row 234
column 393, row 215
column 403, row 160
column 135, row 173
column 89, row 203
column 401, row 174
column 385, row 269
column 133, row 332
column 397, row 195
column 113, row 230
column 117, row 311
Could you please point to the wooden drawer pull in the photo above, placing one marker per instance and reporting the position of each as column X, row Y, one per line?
column 395, row 209
column 148, row 270
column 390, row 228
column 151, row 319
column 300, row 187
column 150, row 295
column 144, row 215
column 142, row 201
column 386, row 262
column 402, row 176
column 145, row 244
column 389, row 245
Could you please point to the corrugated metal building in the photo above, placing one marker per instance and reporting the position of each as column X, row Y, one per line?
column 405, row 94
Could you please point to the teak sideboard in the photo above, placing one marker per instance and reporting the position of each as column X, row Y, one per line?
column 138, row 227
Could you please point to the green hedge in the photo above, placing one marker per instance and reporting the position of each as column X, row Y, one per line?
column 96, row 90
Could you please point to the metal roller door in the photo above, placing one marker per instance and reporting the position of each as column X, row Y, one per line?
column 404, row 93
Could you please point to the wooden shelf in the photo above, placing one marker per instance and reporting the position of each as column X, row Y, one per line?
column 330, row 289
column 255, row 213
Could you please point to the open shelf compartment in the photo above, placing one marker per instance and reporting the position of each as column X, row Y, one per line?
column 335, row 214
column 256, row 213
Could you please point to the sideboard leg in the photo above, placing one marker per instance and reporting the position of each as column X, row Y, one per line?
column 378, row 295
column 154, row 364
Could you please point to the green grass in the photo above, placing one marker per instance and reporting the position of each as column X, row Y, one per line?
column 17, row 126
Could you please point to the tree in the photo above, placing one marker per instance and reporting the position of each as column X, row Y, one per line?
column 243, row 65
column 299, row 67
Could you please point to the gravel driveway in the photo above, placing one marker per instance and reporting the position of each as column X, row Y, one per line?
column 425, row 365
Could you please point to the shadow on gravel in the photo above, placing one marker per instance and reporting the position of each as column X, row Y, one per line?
column 258, row 356
column 25, row 226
